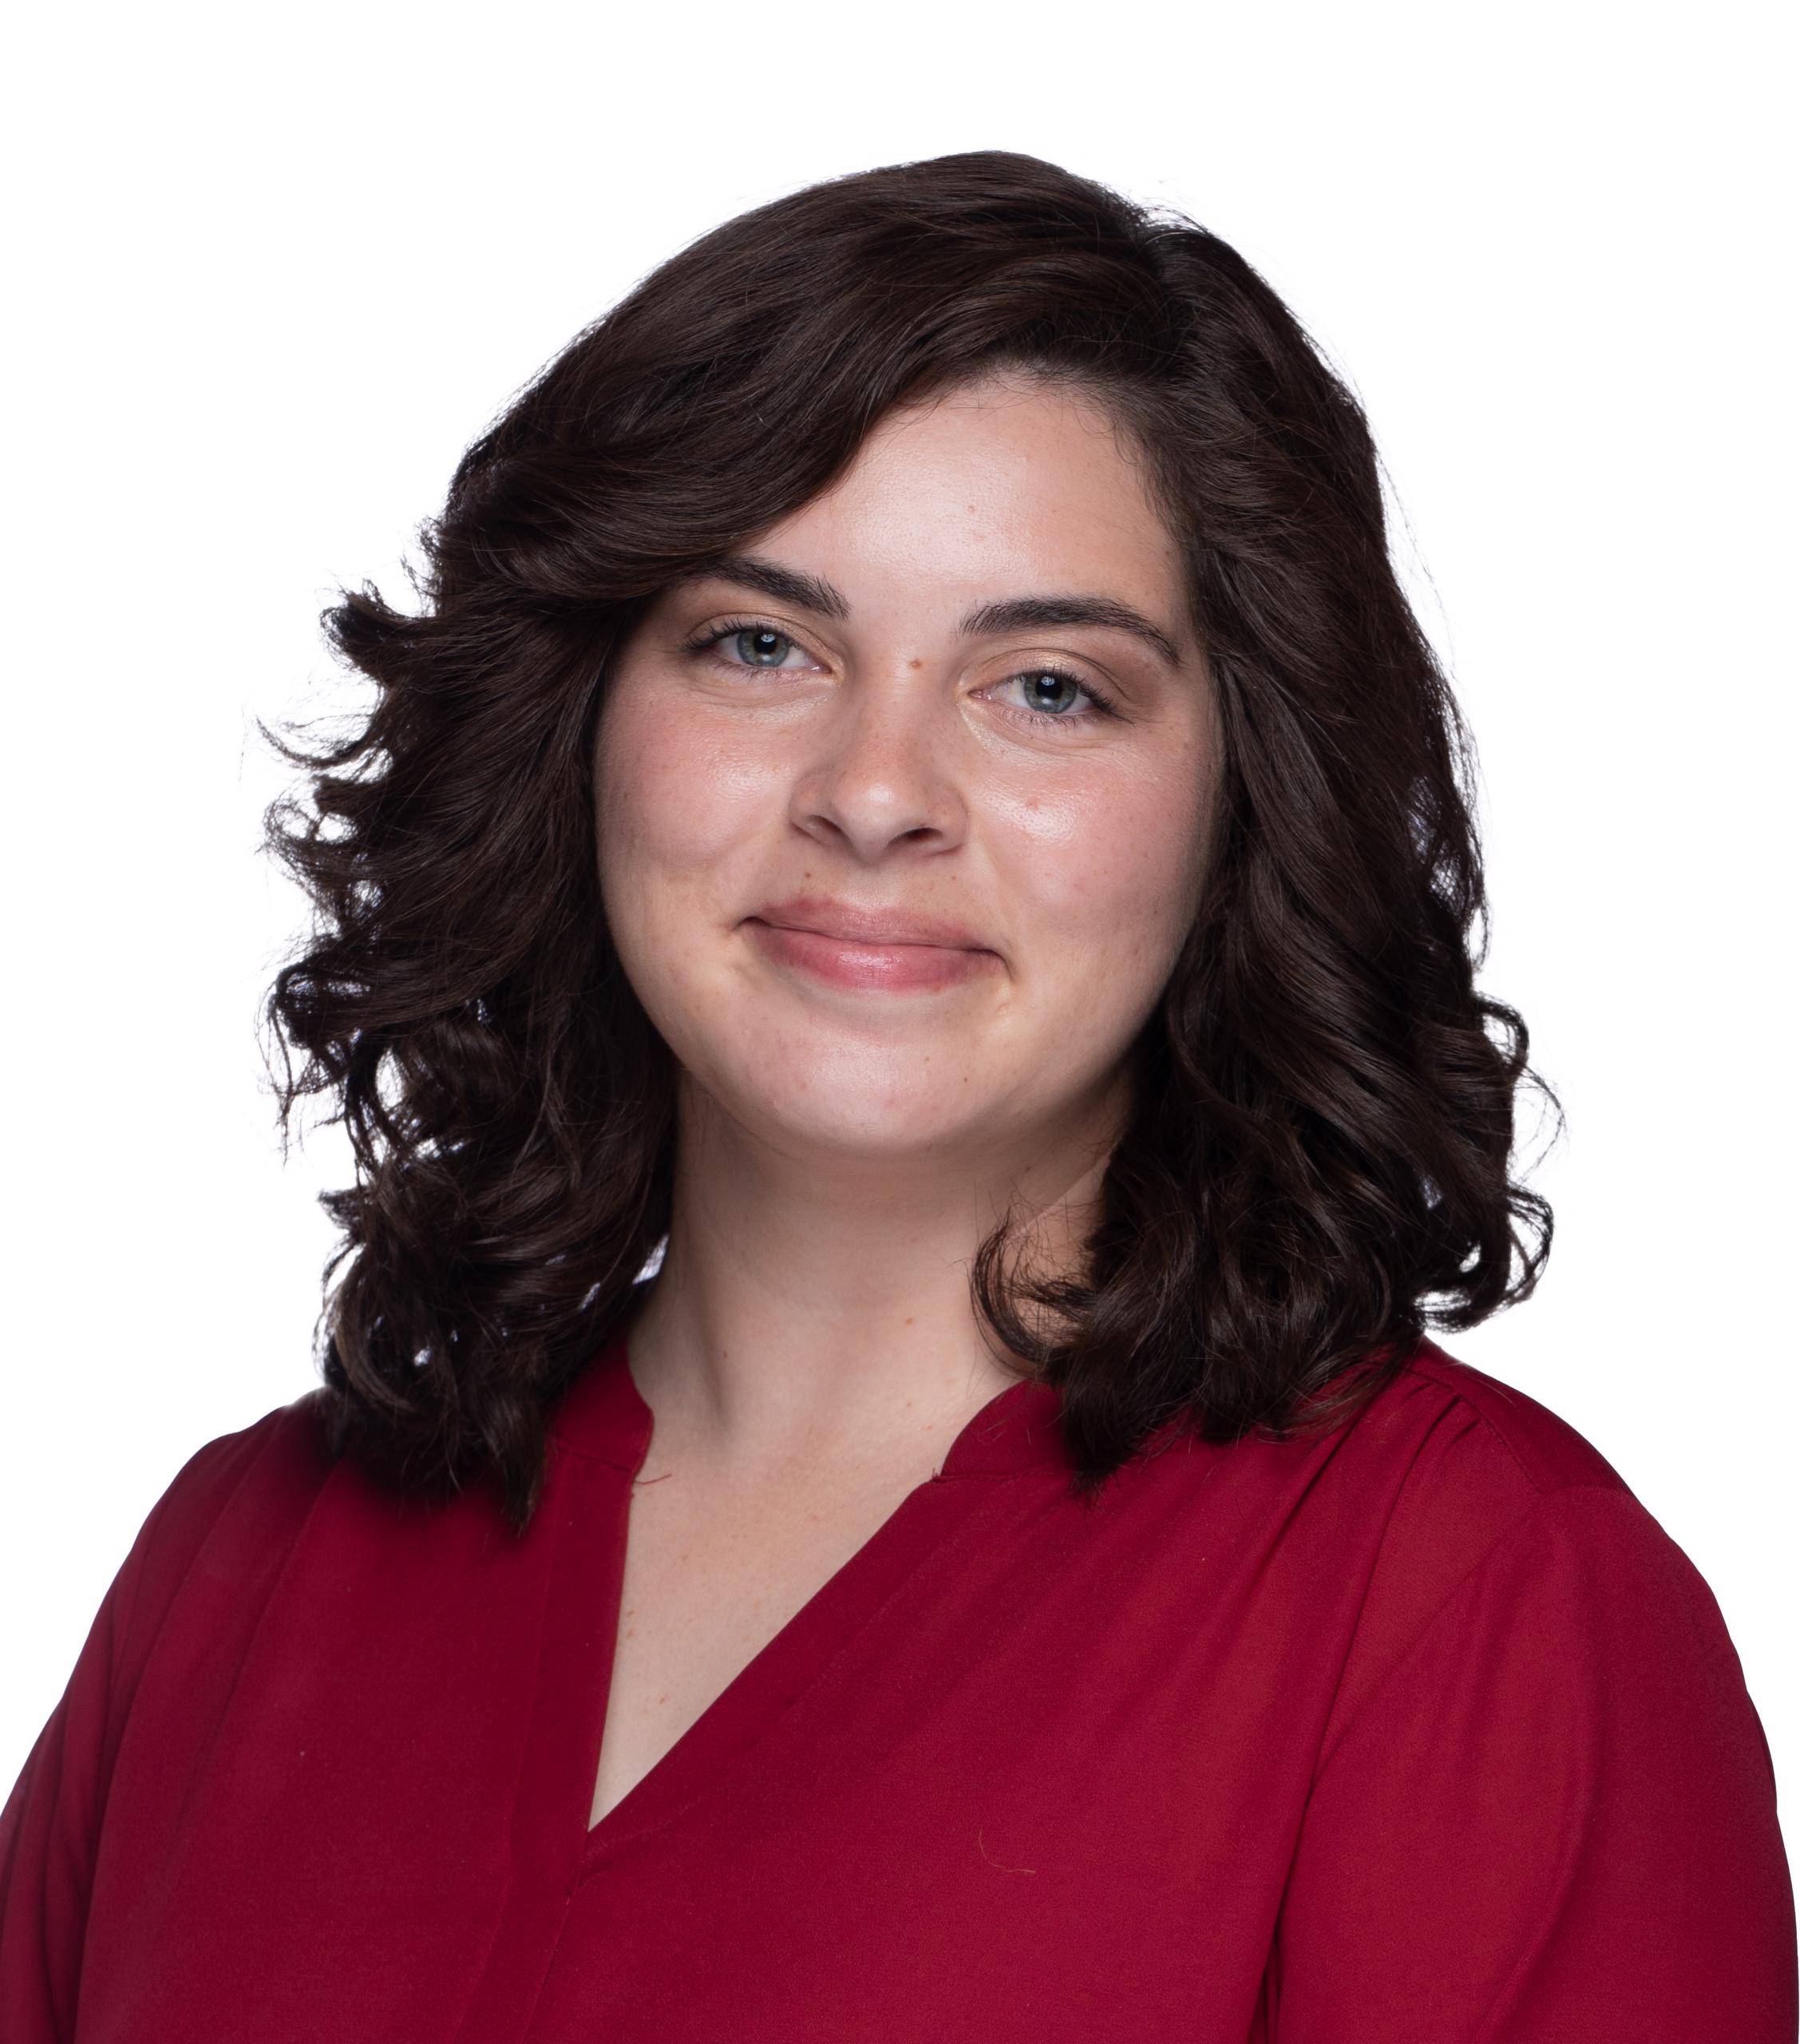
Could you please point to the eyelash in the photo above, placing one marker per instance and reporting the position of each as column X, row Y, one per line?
column 1103, row 707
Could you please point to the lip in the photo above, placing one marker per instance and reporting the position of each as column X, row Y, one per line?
column 826, row 918
column 886, row 949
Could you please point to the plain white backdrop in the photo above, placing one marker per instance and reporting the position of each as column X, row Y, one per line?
column 272, row 270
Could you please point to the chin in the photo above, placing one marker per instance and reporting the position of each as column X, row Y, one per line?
column 887, row 1132
column 856, row 1104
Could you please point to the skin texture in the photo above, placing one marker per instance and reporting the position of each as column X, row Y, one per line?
column 809, row 1350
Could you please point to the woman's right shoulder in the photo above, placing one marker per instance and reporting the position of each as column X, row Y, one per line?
column 233, row 1512
column 238, row 1502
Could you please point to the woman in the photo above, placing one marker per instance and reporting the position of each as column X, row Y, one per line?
column 896, row 948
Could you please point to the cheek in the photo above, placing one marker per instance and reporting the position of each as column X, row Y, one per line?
column 1109, row 865
column 674, row 811
column 654, row 834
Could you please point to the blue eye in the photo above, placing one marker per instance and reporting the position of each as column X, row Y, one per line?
column 1060, row 695
column 753, row 645
column 760, row 648
column 1050, row 695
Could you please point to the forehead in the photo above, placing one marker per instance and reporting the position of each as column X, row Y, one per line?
column 1009, row 483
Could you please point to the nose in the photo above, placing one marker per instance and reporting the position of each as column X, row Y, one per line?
column 879, row 772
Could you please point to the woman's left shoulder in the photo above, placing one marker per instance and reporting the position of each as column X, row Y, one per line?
column 1549, row 1454
column 1541, row 1802
column 1455, row 1461
column 1491, row 1508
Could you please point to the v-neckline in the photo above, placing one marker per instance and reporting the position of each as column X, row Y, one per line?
column 605, row 1418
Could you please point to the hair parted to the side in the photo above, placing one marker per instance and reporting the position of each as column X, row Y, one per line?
column 1319, row 1163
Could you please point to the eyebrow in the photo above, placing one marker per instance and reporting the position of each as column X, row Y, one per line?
column 813, row 592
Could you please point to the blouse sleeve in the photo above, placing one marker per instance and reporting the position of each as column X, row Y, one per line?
column 1553, row 1819
column 51, row 1827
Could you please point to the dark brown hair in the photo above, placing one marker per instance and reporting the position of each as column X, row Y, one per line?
column 1320, row 1163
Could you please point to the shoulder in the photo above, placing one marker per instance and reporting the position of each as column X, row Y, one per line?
column 1478, row 1484
column 233, row 1510
column 1455, row 1458
column 1461, row 1458
column 1548, row 1453
column 1541, row 1800
column 242, row 1494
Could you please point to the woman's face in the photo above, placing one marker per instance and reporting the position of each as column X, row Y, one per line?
column 902, row 813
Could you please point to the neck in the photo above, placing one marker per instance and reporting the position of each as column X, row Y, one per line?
column 811, row 1307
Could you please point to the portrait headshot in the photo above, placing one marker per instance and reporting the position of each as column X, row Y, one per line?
column 836, row 989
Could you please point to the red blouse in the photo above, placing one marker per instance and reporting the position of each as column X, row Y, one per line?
column 1423, row 1730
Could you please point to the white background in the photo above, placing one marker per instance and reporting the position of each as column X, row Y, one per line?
column 272, row 269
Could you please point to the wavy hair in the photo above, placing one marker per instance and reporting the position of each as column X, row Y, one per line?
column 1319, row 1163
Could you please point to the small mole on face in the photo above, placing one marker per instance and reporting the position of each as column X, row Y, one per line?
column 916, row 663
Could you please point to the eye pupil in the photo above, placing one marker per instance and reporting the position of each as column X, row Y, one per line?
column 763, row 647
column 1055, row 683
